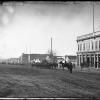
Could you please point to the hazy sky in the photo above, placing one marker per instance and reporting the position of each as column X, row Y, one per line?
column 29, row 26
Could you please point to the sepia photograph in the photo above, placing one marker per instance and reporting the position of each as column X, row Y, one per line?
column 50, row 50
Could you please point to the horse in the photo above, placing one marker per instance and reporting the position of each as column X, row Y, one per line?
column 64, row 64
column 53, row 65
column 68, row 65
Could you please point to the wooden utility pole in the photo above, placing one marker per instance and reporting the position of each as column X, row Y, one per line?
column 94, row 34
column 51, row 45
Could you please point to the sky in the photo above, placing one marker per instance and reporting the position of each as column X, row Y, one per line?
column 27, row 27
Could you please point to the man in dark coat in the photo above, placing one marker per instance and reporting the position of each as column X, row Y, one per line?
column 70, row 67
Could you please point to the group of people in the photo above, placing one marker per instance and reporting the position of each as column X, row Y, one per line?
column 55, row 65
column 69, row 65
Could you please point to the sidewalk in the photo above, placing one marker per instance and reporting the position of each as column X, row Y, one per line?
column 90, row 69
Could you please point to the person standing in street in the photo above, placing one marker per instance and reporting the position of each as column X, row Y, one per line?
column 70, row 67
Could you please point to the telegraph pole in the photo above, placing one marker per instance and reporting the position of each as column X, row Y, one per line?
column 51, row 45
column 51, row 51
column 94, row 35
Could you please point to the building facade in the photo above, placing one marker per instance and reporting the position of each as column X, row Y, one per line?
column 89, row 49
column 27, row 58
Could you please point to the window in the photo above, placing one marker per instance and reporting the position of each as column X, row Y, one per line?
column 78, row 47
column 92, row 45
column 89, row 46
column 95, row 45
column 84, row 46
column 99, row 45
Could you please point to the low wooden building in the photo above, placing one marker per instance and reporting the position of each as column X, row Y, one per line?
column 71, row 58
column 26, row 58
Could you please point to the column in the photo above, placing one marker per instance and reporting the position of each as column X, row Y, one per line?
column 85, row 58
column 79, row 60
column 94, row 60
column 97, row 61
column 90, row 61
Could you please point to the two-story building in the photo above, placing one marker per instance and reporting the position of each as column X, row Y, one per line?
column 89, row 49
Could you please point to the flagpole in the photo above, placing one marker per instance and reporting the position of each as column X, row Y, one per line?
column 51, row 45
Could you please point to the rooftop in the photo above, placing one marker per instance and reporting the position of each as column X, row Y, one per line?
column 71, row 56
column 88, row 36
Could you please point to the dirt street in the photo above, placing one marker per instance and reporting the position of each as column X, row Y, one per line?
column 24, row 81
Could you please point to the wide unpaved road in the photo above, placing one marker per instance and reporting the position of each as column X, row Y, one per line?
column 21, row 81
